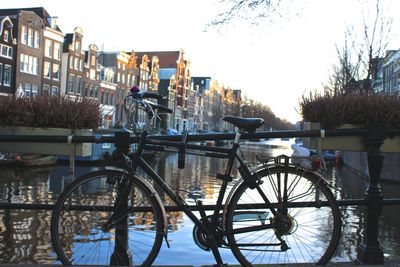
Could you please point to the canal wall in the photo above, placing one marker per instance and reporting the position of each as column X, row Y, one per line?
column 357, row 161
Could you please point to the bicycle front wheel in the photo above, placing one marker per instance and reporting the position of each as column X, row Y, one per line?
column 304, row 229
column 82, row 210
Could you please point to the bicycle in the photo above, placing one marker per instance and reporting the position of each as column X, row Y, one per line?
column 275, row 213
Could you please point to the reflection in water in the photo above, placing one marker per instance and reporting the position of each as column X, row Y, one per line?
column 25, row 234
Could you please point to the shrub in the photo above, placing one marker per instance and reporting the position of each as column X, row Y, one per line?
column 334, row 110
column 49, row 111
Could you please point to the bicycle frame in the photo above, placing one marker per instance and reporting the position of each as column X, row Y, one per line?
column 210, row 228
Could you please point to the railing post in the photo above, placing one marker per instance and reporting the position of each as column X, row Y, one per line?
column 121, row 255
column 369, row 250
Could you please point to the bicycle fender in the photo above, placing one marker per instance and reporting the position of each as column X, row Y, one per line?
column 155, row 195
column 321, row 179
column 113, row 168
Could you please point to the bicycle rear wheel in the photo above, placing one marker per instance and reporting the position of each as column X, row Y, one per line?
column 310, row 226
column 79, row 216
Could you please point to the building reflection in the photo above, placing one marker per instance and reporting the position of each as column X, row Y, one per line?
column 25, row 234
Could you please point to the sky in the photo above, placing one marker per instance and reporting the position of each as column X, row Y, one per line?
column 274, row 63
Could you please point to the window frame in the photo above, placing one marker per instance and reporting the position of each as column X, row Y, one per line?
column 6, row 36
column 55, row 75
column 31, row 37
column 48, row 74
column 9, row 68
column 24, row 35
column 37, row 39
column 57, row 50
column 71, row 83
column 48, row 48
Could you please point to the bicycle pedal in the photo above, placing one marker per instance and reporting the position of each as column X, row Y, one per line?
column 284, row 247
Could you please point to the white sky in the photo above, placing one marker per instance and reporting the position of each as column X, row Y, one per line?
column 273, row 63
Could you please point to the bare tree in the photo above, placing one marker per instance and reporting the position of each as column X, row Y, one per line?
column 345, row 73
column 355, row 67
column 254, row 11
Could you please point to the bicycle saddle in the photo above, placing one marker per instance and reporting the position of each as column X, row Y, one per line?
column 244, row 124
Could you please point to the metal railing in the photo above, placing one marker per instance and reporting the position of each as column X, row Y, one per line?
column 369, row 250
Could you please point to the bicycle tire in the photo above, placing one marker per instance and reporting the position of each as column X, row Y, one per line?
column 310, row 231
column 86, row 204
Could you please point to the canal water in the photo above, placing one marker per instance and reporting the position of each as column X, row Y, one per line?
column 25, row 234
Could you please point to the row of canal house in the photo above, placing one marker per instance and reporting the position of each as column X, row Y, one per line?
column 386, row 75
column 37, row 57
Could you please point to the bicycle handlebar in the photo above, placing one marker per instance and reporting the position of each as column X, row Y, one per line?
column 154, row 95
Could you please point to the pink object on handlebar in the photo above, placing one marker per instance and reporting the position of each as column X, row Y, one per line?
column 135, row 89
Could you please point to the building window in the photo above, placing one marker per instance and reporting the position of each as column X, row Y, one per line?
column 37, row 39
column 102, row 98
column 1, row 73
column 47, row 48
column 24, row 35
column 71, row 63
column 91, row 91
column 47, row 70
column 118, row 77
column 81, row 65
column 96, row 92
column 57, row 51
column 55, row 90
column 76, row 63
column 31, row 89
column 6, row 36
column 56, row 72
column 28, row 64
column 46, row 89
column 7, row 75
column 77, row 46
column 6, row 51
column 93, row 60
column 78, row 85
column 71, row 82
column 35, row 65
column 92, row 74
column 31, row 37
column 86, row 90
column 27, row 89
column 35, row 90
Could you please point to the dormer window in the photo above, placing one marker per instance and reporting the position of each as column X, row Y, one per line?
column 77, row 46
column 6, row 36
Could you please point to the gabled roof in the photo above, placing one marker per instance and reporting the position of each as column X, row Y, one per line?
column 167, row 59
column 40, row 11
